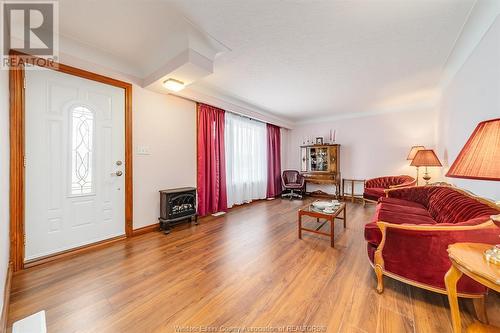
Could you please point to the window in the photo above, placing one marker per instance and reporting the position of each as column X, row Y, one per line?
column 246, row 159
column 82, row 149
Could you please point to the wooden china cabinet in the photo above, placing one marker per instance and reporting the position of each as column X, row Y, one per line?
column 320, row 164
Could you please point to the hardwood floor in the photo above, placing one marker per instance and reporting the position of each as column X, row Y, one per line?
column 244, row 269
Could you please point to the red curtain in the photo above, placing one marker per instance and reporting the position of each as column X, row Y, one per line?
column 211, row 160
column 273, row 161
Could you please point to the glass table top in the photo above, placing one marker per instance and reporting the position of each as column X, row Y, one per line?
column 332, row 210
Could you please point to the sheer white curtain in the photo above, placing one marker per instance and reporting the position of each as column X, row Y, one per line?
column 246, row 159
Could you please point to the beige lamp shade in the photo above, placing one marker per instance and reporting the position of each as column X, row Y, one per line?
column 480, row 157
column 413, row 152
column 427, row 158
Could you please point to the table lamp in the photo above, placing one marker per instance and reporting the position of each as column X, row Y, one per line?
column 412, row 153
column 480, row 159
column 426, row 158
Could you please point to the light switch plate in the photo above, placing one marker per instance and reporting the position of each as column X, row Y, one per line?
column 142, row 150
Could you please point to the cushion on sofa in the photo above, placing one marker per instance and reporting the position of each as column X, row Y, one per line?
column 449, row 206
column 404, row 209
column 374, row 193
column 374, row 235
column 402, row 216
column 400, row 202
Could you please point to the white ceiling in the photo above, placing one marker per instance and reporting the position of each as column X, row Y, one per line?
column 137, row 32
column 295, row 59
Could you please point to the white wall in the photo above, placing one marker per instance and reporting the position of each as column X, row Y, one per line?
column 471, row 96
column 4, row 180
column 377, row 145
column 371, row 146
column 166, row 125
column 285, row 146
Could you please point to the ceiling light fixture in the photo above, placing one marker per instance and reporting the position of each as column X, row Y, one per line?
column 174, row 85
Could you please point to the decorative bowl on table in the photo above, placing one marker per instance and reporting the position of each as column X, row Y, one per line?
column 325, row 205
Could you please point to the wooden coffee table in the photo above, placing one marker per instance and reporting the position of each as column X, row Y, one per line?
column 329, row 217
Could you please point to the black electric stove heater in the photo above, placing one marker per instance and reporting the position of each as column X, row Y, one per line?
column 177, row 205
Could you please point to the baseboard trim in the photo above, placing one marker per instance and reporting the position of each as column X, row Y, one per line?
column 89, row 247
column 371, row 201
column 146, row 229
column 6, row 299
column 356, row 198
column 73, row 252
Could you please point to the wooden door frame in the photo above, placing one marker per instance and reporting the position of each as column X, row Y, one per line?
column 17, row 149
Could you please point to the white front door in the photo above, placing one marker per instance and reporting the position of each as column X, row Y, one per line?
column 75, row 181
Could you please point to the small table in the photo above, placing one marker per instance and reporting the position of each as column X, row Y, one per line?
column 468, row 259
column 318, row 214
column 353, row 196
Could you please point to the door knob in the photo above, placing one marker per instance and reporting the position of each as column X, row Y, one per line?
column 118, row 173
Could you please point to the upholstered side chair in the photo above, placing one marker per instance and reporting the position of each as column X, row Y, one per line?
column 293, row 183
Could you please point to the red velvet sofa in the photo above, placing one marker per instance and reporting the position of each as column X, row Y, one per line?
column 412, row 227
column 375, row 188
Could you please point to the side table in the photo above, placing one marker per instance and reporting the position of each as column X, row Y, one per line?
column 352, row 195
column 468, row 259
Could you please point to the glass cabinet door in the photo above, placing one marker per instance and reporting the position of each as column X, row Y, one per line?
column 318, row 159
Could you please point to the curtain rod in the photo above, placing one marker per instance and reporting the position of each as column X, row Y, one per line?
column 236, row 113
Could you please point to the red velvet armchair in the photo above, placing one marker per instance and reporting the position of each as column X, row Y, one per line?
column 412, row 228
column 375, row 188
